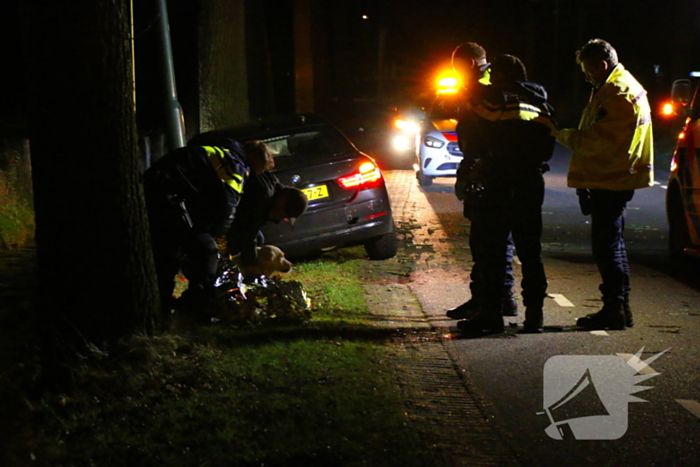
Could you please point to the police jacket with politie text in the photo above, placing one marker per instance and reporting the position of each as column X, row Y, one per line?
column 506, row 137
column 207, row 181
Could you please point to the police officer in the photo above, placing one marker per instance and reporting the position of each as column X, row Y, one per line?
column 191, row 196
column 469, row 60
column 510, row 136
column 265, row 200
column 612, row 155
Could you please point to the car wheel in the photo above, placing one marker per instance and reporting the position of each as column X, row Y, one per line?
column 678, row 235
column 424, row 180
column 383, row 247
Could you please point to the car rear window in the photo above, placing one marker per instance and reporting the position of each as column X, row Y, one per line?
column 307, row 143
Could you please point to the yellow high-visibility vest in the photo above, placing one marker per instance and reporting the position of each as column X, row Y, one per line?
column 613, row 147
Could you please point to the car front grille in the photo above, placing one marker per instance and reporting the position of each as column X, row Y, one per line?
column 448, row 166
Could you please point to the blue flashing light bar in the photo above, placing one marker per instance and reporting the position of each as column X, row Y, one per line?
column 695, row 74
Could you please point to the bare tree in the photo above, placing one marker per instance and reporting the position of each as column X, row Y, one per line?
column 96, row 275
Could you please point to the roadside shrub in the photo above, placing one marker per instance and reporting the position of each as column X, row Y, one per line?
column 16, row 216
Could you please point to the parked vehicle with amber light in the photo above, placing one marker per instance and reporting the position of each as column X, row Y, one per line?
column 348, row 200
column 437, row 150
column 683, row 194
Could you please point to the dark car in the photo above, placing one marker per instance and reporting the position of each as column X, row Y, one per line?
column 348, row 200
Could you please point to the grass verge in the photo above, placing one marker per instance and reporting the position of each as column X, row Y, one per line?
column 318, row 393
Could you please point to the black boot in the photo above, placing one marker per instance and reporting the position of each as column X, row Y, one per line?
column 466, row 310
column 509, row 306
column 482, row 324
column 611, row 316
column 629, row 320
column 534, row 321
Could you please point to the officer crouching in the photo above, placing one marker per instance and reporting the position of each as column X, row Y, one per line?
column 191, row 195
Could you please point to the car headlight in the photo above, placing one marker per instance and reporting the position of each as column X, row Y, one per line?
column 433, row 142
column 401, row 143
column 408, row 127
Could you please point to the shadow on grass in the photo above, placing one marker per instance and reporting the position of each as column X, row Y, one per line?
column 238, row 337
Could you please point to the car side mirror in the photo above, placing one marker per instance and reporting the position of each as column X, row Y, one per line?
column 680, row 95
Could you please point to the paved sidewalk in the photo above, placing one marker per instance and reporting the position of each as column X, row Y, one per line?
column 442, row 408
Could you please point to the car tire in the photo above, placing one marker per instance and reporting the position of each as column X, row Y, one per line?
column 423, row 180
column 678, row 235
column 382, row 247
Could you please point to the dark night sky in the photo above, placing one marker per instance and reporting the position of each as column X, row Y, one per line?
column 421, row 34
column 545, row 34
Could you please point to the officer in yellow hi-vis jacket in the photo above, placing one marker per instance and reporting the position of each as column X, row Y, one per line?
column 612, row 156
column 509, row 130
column 191, row 196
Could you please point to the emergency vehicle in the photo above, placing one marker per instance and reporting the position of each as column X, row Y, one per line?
column 683, row 195
column 437, row 148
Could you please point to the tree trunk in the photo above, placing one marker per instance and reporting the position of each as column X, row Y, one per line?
column 223, row 92
column 96, row 274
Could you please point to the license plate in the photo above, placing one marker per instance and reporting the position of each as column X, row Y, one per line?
column 316, row 192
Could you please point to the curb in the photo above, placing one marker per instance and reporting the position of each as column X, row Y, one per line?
column 441, row 408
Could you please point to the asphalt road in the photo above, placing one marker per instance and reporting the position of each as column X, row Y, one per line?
column 521, row 381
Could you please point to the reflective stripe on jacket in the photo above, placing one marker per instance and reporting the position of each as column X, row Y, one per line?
column 226, row 168
column 515, row 109
column 509, row 132
column 613, row 145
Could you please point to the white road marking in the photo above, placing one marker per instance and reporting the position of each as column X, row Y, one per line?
column 691, row 406
column 560, row 299
column 599, row 333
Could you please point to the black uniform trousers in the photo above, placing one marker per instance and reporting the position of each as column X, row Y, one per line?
column 608, row 242
column 509, row 281
column 178, row 246
column 504, row 209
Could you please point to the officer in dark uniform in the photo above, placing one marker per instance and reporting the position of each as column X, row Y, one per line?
column 510, row 133
column 265, row 200
column 191, row 196
column 469, row 60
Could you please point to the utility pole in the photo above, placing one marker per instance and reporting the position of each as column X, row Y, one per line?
column 174, row 117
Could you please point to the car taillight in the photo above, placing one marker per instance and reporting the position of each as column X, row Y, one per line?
column 367, row 175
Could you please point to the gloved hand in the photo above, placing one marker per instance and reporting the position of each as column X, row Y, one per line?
column 584, row 200
column 461, row 189
column 468, row 208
